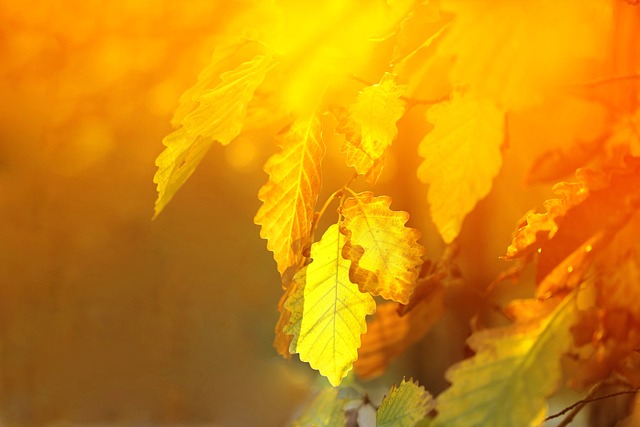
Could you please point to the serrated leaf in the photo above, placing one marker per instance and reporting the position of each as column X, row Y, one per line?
column 283, row 334
column 177, row 163
column 207, row 115
column 404, row 406
column 326, row 410
column 290, row 194
column 462, row 156
column 370, row 126
column 385, row 255
column 597, row 205
column 513, row 371
column 334, row 310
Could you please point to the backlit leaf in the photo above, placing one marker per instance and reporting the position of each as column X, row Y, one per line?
column 326, row 410
column 371, row 125
column 510, row 52
column 404, row 406
column 333, row 311
column 514, row 370
column 207, row 114
column 176, row 163
column 461, row 158
column 385, row 254
column 290, row 194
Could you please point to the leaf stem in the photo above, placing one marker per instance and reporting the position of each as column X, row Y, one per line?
column 411, row 102
column 339, row 193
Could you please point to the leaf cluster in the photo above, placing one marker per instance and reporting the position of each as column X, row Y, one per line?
column 472, row 66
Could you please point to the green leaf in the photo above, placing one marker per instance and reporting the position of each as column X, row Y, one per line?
column 326, row 410
column 405, row 406
column 513, row 371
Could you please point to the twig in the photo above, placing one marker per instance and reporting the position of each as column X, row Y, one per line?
column 577, row 407
column 607, row 80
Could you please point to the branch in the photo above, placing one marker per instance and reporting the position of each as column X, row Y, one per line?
column 607, row 80
column 576, row 407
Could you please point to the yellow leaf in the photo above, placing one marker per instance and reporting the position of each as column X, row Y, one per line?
column 371, row 125
column 207, row 114
column 405, row 406
column 462, row 156
column 327, row 332
column 291, row 192
column 510, row 52
column 176, row 163
column 514, row 370
column 326, row 410
column 385, row 255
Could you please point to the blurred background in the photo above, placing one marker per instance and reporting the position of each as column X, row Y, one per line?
column 108, row 318
column 105, row 316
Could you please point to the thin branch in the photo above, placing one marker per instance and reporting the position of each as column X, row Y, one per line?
column 577, row 407
column 607, row 80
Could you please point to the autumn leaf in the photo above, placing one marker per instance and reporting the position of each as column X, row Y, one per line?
column 326, row 410
column 333, row 314
column 537, row 227
column 404, row 406
column 286, row 306
column 290, row 194
column 389, row 334
column 514, row 370
column 177, row 163
column 371, row 125
column 598, row 204
column 385, row 255
column 461, row 158
column 511, row 53
column 207, row 113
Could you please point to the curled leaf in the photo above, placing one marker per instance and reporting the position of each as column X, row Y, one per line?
column 370, row 125
column 385, row 255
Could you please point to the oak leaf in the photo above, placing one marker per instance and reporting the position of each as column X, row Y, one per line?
column 290, row 194
column 326, row 332
column 385, row 255
column 461, row 158
column 370, row 126
column 207, row 114
column 404, row 406
column 514, row 370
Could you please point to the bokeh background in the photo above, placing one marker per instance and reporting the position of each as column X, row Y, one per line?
column 105, row 316
column 108, row 318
